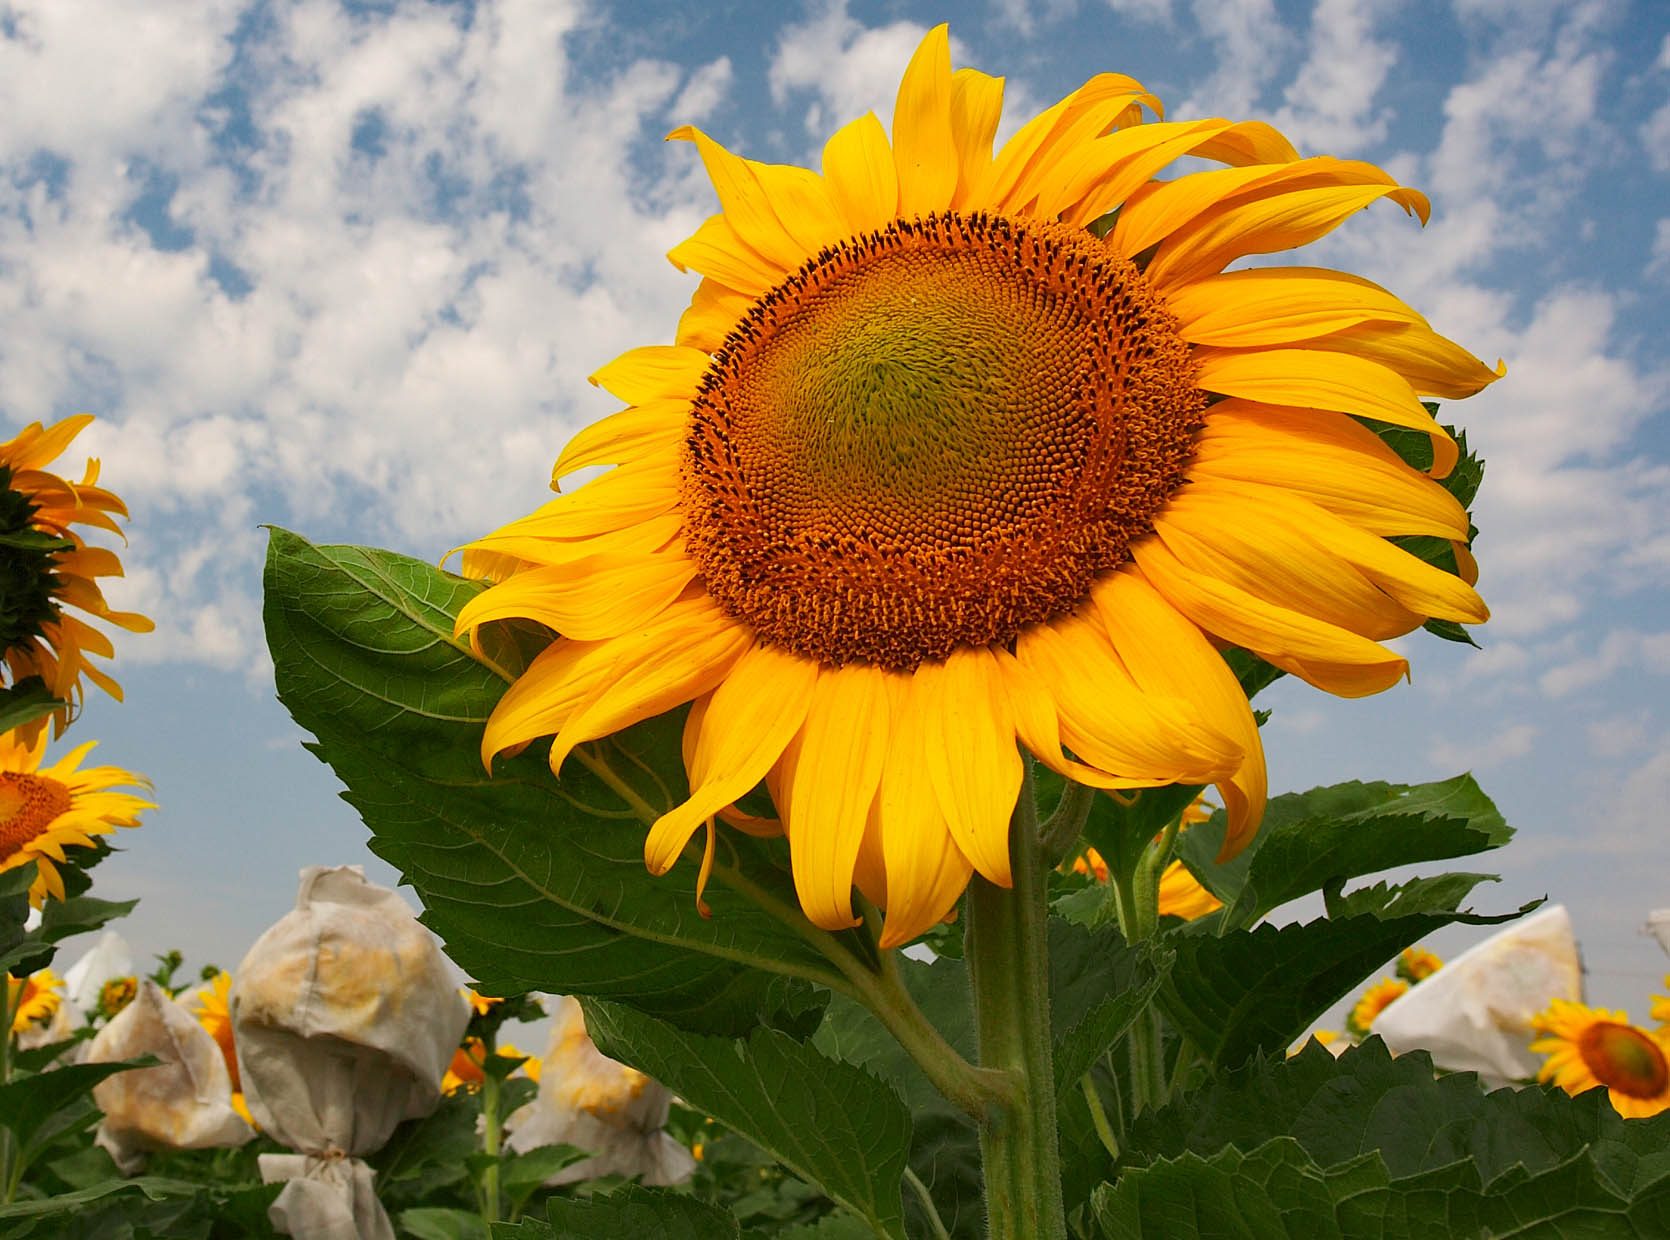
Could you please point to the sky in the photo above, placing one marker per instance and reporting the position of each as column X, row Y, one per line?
column 345, row 267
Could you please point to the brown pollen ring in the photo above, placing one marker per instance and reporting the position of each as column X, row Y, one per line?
column 933, row 435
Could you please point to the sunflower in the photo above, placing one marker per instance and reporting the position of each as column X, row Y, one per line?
column 34, row 999
column 115, row 995
column 1375, row 1000
column 214, row 1012
column 1587, row 1047
column 45, row 563
column 43, row 811
column 1416, row 964
column 1660, row 1010
column 956, row 449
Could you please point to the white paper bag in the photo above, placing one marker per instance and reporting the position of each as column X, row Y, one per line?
column 345, row 1016
column 183, row 1103
column 1474, row 1014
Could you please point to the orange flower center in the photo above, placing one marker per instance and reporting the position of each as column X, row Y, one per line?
column 1625, row 1059
column 29, row 804
column 934, row 435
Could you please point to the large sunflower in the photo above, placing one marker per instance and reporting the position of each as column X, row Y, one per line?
column 935, row 466
column 45, row 810
column 48, row 571
column 1589, row 1047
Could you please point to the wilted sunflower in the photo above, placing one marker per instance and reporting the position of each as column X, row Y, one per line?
column 44, row 811
column 47, row 571
column 34, row 999
column 1587, row 1047
column 935, row 466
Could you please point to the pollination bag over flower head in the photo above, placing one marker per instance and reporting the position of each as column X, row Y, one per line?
column 345, row 1017
column 1474, row 1014
column 183, row 1103
column 595, row 1103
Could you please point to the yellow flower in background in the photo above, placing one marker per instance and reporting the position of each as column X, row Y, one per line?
column 1181, row 894
column 115, row 995
column 1090, row 862
column 1375, row 1000
column 213, row 1010
column 34, row 999
column 530, row 1066
column 41, row 636
column 44, row 810
column 1660, row 1010
column 1416, row 964
column 933, row 467
column 1589, row 1047
column 479, row 1004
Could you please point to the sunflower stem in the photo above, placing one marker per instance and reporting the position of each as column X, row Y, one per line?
column 8, row 1154
column 1063, row 827
column 491, row 1131
column 1006, row 944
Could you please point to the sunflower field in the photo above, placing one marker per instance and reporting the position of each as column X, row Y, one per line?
column 859, row 767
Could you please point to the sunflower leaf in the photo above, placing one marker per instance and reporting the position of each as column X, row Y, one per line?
column 533, row 883
column 1311, row 839
column 1098, row 986
column 635, row 1211
column 1255, row 991
column 25, row 702
column 830, row 1122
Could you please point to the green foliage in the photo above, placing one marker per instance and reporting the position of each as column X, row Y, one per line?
column 828, row 1121
column 25, row 702
column 365, row 660
column 635, row 1211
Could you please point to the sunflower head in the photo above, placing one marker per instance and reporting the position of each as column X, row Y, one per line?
column 1660, row 1010
column 115, row 995
column 1375, row 1000
column 1416, row 964
column 34, row 999
column 214, row 1012
column 44, row 810
column 1591, row 1047
column 962, row 450
column 49, row 575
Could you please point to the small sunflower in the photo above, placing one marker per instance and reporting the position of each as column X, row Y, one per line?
column 45, row 810
column 115, row 995
column 1660, row 1010
column 1588, row 1047
column 1376, row 999
column 959, row 448
column 48, row 571
column 1416, row 964
column 214, row 1012
column 34, row 999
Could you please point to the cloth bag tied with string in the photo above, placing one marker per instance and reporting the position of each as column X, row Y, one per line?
column 345, row 1016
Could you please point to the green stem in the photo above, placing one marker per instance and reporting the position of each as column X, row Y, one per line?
column 935, row 1223
column 1099, row 1115
column 1063, row 827
column 1006, row 944
column 491, row 1133
column 11, row 1167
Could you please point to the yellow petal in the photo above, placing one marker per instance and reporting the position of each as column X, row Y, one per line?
column 801, row 201
column 1279, row 305
column 744, row 199
column 1111, row 723
column 1332, row 461
column 1038, row 724
column 976, row 105
column 1167, row 655
column 1319, row 653
column 530, row 541
column 653, row 372
column 832, row 772
column 715, row 250
column 1088, row 181
column 1434, row 365
column 973, row 764
column 592, row 599
column 1248, row 142
column 924, row 150
column 713, row 314
column 624, row 436
column 1313, row 379
column 752, row 716
column 863, row 181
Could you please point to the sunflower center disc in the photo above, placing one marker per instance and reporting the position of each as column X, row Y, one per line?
column 934, row 435
column 1624, row 1059
column 28, row 805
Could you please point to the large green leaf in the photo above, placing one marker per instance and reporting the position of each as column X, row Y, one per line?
column 29, row 1104
column 1277, row 1192
column 1257, row 990
column 1311, row 839
column 634, row 1211
column 828, row 1121
column 1098, row 986
column 534, row 884
column 1418, row 1121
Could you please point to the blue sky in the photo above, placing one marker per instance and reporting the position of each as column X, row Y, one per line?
column 345, row 267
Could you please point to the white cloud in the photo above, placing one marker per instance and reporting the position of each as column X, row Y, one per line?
column 1619, row 736
column 1483, row 753
column 705, row 90
column 1249, row 41
column 1658, row 261
column 1329, row 107
column 848, row 68
column 1655, row 138
column 1619, row 649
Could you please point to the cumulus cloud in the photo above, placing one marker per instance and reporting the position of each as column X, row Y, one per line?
column 1619, row 649
column 1658, row 260
column 1329, row 107
column 1250, row 42
column 846, row 67
column 1482, row 753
